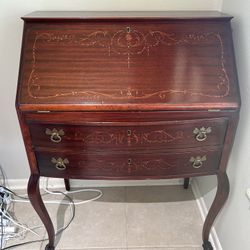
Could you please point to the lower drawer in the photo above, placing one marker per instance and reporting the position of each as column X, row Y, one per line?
column 130, row 165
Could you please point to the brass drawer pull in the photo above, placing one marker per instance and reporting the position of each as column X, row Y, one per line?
column 60, row 163
column 201, row 134
column 197, row 161
column 55, row 135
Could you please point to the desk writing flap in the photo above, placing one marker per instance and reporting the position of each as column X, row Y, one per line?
column 138, row 64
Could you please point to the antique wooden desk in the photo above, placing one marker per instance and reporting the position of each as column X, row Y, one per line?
column 137, row 95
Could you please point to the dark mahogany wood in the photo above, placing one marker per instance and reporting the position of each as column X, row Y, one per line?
column 121, row 95
column 67, row 184
column 88, row 118
column 179, row 64
column 219, row 201
column 119, row 136
column 207, row 245
column 149, row 164
column 37, row 203
column 186, row 183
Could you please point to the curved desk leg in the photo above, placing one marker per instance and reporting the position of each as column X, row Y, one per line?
column 37, row 203
column 186, row 183
column 219, row 201
column 67, row 184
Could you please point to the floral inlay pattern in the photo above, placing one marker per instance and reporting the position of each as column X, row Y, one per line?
column 128, row 42
column 130, row 166
column 121, row 138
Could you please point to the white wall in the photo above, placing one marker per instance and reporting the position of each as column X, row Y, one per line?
column 233, row 225
column 12, row 153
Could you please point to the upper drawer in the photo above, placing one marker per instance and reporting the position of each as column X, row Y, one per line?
column 122, row 136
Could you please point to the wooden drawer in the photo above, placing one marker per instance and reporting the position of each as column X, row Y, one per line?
column 130, row 165
column 125, row 136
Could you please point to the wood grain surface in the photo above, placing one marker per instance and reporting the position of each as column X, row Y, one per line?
column 127, row 136
column 124, row 95
column 143, row 65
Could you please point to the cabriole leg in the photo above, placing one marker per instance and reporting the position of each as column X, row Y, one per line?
column 219, row 201
column 186, row 183
column 37, row 203
column 67, row 184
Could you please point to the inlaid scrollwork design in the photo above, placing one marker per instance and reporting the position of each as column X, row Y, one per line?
column 131, row 137
column 130, row 165
column 129, row 43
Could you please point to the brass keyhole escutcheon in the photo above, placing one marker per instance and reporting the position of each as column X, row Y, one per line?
column 129, row 132
column 129, row 165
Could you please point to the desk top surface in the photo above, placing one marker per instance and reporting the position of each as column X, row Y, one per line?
column 126, row 15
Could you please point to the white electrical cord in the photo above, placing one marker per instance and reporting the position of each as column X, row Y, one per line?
column 45, row 188
column 47, row 191
column 24, row 199
column 7, row 215
column 21, row 235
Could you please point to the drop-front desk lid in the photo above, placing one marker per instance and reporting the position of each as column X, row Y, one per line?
column 150, row 61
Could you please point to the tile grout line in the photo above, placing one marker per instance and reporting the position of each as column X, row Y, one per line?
column 165, row 247
column 127, row 246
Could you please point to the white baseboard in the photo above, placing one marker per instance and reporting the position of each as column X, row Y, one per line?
column 15, row 184
column 214, row 239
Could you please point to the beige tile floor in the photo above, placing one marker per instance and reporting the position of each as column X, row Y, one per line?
column 134, row 218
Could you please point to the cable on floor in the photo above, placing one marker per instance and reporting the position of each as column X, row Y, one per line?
column 71, row 203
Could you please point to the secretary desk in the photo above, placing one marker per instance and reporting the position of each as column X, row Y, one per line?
column 127, row 95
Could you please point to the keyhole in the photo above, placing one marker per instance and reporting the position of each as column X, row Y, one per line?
column 128, row 29
column 129, row 132
column 129, row 161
